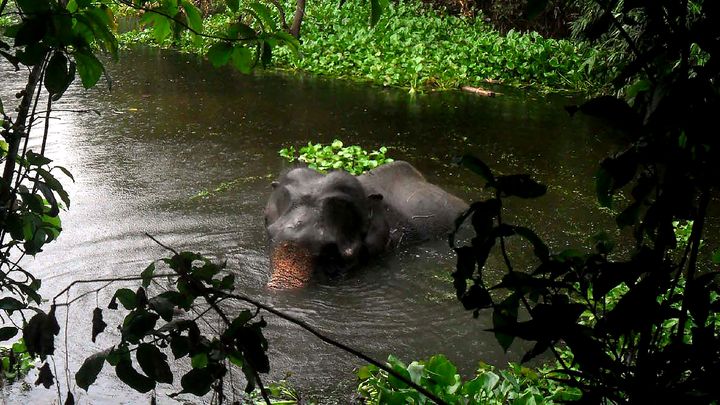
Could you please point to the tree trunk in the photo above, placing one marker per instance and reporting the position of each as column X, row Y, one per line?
column 297, row 19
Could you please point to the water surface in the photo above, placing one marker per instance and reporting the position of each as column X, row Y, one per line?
column 173, row 126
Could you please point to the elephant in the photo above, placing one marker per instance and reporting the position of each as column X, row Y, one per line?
column 333, row 222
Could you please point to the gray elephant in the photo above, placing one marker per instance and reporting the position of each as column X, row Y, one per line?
column 335, row 221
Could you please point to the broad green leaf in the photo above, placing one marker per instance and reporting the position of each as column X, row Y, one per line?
column 197, row 381
column 199, row 360
column 219, row 54
column 147, row 275
column 137, row 324
column 127, row 374
column 56, row 73
column 263, row 14
column 716, row 257
column 441, row 370
column 127, row 298
column 89, row 68
column 11, row 304
column 154, row 363
column 7, row 332
column 478, row 167
column 91, row 367
column 242, row 59
column 194, row 21
column 98, row 324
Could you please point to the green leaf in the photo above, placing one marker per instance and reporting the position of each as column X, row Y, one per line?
column 137, row 324
column 57, row 73
column 488, row 380
column 194, row 20
column 478, row 167
column 39, row 333
column 89, row 68
column 233, row 5
column 7, row 332
column 90, row 369
column 441, row 370
column 199, row 360
column 197, row 381
column 127, row 374
column 219, row 54
column 263, row 14
column 154, row 363
column 11, row 304
column 127, row 298
column 45, row 376
column 180, row 346
column 716, row 257
column 161, row 25
column 163, row 306
column 147, row 275
column 98, row 324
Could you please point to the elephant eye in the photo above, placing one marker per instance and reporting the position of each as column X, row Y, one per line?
column 343, row 215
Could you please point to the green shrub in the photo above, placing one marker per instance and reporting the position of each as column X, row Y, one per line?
column 516, row 385
column 353, row 159
column 15, row 362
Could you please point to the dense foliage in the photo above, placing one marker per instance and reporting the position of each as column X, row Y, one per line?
column 323, row 158
column 516, row 385
column 416, row 48
column 659, row 343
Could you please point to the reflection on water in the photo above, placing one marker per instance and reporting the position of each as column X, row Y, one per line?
column 173, row 126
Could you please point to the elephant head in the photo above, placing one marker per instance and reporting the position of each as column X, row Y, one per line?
column 319, row 222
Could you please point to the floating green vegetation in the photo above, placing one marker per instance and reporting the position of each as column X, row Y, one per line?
column 227, row 185
column 413, row 47
column 353, row 159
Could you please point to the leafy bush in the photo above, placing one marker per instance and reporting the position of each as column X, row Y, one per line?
column 353, row 159
column 15, row 361
column 516, row 385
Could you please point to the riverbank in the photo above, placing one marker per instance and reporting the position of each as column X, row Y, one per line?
column 415, row 48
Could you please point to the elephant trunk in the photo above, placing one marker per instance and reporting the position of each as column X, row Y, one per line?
column 292, row 266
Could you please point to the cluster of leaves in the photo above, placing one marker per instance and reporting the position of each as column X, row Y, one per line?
column 15, row 361
column 415, row 48
column 54, row 41
column 157, row 322
column 335, row 156
column 517, row 385
column 244, row 36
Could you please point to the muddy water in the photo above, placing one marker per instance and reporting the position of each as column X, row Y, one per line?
column 173, row 127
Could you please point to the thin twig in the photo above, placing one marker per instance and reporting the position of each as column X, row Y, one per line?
column 104, row 280
column 175, row 252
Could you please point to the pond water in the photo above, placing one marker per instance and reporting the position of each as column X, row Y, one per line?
column 173, row 126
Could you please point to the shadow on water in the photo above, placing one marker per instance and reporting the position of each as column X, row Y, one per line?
column 173, row 126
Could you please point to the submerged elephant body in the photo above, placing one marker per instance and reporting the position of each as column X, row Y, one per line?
column 336, row 221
